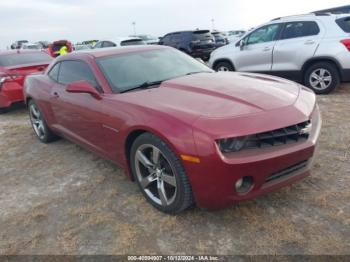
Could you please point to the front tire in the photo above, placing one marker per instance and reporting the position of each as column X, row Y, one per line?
column 160, row 175
column 322, row 77
column 40, row 127
column 223, row 67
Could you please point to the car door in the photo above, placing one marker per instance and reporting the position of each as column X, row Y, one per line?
column 298, row 42
column 256, row 53
column 77, row 115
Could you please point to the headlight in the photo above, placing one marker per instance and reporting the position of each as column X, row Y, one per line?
column 232, row 144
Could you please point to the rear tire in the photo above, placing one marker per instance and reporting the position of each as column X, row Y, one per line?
column 223, row 67
column 160, row 175
column 40, row 127
column 322, row 77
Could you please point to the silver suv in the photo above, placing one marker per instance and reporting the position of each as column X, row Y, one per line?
column 313, row 49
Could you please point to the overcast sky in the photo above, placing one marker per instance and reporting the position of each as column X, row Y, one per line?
column 79, row 20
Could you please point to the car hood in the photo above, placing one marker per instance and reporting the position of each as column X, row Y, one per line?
column 217, row 95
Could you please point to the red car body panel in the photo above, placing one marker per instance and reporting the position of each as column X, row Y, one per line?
column 11, row 91
column 189, row 113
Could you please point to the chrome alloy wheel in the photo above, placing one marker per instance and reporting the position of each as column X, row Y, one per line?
column 155, row 175
column 37, row 121
column 320, row 79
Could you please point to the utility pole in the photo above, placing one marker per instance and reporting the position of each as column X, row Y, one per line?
column 212, row 24
column 134, row 27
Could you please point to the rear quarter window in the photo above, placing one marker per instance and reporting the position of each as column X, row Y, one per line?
column 344, row 24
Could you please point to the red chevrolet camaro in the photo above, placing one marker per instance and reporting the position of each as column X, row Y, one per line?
column 184, row 133
column 15, row 65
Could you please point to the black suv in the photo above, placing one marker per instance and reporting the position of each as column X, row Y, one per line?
column 199, row 43
column 219, row 39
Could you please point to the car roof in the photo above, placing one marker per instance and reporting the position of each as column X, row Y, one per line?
column 321, row 16
column 110, row 51
column 118, row 40
column 189, row 31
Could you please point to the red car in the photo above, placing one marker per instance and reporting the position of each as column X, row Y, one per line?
column 184, row 133
column 15, row 65
column 54, row 48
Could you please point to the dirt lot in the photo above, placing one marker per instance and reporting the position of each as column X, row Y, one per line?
column 61, row 199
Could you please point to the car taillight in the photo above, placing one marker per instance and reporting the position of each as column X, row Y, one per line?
column 4, row 78
column 346, row 42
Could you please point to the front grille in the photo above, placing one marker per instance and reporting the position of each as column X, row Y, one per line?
column 290, row 134
column 288, row 171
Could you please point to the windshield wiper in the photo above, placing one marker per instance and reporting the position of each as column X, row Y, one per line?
column 144, row 85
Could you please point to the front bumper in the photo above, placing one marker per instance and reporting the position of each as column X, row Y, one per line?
column 213, row 180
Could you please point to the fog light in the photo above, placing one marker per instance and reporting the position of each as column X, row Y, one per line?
column 239, row 183
column 244, row 184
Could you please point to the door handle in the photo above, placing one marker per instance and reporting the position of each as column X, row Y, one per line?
column 266, row 49
column 309, row 42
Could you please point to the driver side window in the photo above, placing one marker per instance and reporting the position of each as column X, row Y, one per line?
column 71, row 71
column 263, row 34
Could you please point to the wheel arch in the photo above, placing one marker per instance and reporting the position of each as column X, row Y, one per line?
column 315, row 60
column 134, row 134
column 27, row 99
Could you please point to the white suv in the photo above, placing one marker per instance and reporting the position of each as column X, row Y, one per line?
column 313, row 49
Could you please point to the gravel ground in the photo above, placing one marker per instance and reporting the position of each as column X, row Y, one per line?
column 61, row 199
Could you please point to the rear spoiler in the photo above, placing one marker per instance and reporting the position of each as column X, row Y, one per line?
column 27, row 65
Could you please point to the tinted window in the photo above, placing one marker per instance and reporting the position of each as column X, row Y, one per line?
column 202, row 35
column 166, row 39
column 71, row 71
column 132, row 42
column 264, row 34
column 54, row 72
column 130, row 70
column 108, row 44
column 344, row 24
column 98, row 45
column 300, row 29
column 176, row 38
column 24, row 58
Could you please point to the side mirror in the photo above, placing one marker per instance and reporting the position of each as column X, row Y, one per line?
column 242, row 44
column 83, row 87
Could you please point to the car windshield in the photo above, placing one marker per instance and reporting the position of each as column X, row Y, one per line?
column 132, row 42
column 31, row 47
column 125, row 72
column 24, row 58
column 146, row 37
